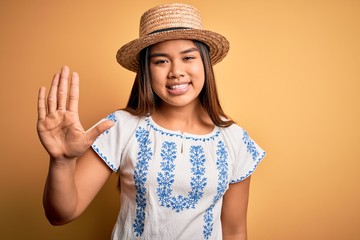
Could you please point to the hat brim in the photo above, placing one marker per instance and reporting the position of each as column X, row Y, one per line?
column 128, row 55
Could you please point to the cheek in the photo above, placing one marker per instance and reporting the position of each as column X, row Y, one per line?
column 157, row 75
column 198, row 74
column 155, row 84
column 153, row 78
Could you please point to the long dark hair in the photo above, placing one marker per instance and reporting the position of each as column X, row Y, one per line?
column 143, row 100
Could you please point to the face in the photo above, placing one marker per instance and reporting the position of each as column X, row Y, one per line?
column 177, row 72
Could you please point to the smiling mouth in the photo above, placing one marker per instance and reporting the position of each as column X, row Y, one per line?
column 178, row 87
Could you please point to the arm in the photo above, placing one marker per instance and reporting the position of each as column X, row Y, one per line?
column 234, row 211
column 76, row 173
column 72, row 185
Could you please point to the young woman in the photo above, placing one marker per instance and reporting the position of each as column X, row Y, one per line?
column 184, row 166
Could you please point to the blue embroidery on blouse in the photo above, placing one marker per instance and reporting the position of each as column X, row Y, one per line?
column 251, row 170
column 255, row 153
column 103, row 157
column 162, row 132
column 165, row 178
column 111, row 117
column 223, row 176
column 250, row 146
column 140, row 177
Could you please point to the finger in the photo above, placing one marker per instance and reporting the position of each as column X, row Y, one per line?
column 98, row 129
column 52, row 98
column 74, row 93
column 41, row 104
column 63, row 89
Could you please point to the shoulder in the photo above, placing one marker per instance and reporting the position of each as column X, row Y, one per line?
column 121, row 117
column 236, row 137
column 234, row 131
column 240, row 142
column 124, row 121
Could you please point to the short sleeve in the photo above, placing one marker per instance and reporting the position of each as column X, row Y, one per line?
column 246, row 154
column 110, row 144
column 106, row 145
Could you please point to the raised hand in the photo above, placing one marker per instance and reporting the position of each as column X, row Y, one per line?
column 58, row 126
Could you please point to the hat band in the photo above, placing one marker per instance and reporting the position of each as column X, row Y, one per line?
column 168, row 29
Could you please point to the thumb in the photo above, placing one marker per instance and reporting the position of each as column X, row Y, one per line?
column 97, row 129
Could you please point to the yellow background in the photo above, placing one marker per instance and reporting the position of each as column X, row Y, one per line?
column 291, row 79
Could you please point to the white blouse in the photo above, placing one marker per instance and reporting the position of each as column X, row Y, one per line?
column 172, row 183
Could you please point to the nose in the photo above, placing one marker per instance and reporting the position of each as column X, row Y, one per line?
column 176, row 70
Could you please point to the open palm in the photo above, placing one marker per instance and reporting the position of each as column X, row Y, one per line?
column 59, row 127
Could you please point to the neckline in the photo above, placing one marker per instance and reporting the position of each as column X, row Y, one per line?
column 215, row 131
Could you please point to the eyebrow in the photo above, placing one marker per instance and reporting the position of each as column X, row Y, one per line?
column 167, row 55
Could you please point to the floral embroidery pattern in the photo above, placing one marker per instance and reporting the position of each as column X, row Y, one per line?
column 110, row 164
column 223, row 176
column 250, row 146
column 140, row 177
column 111, row 117
column 165, row 178
column 162, row 132
column 255, row 153
column 96, row 148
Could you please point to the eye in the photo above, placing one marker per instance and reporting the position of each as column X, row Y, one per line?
column 188, row 58
column 159, row 61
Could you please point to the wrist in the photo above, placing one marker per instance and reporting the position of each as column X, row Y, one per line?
column 62, row 162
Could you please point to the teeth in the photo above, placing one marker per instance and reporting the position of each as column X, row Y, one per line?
column 181, row 86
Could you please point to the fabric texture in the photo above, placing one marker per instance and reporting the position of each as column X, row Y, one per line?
column 172, row 183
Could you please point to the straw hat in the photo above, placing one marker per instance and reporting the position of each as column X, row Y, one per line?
column 170, row 22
